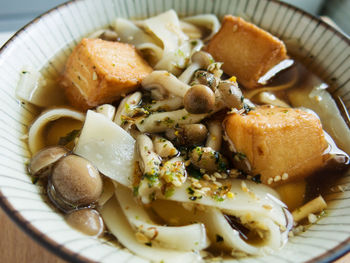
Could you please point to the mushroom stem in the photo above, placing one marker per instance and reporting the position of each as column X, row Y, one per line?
column 200, row 60
column 174, row 171
column 169, row 104
column 107, row 110
column 163, row 147
column 215, row 135
column 160, row 122
column 150, row 161
column 126, row 107
column 162, row 83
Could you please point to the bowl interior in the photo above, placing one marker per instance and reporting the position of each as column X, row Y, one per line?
column 47, row 41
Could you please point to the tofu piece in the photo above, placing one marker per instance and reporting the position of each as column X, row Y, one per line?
column 100, row 71
column 247, row 51
column 281, row 144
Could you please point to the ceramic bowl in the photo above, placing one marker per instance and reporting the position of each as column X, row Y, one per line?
column 320, row 47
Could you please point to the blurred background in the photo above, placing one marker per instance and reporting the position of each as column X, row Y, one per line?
column 16, row 13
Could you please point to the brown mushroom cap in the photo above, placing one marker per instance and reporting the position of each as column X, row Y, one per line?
column 42, row 160
column 204, row 59
column 76, row 181
column 231, row 94
column 195, row 134
column 199, row 99
column 205, row 78
column 87, row 221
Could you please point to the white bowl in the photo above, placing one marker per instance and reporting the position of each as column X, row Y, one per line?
column 323, row 49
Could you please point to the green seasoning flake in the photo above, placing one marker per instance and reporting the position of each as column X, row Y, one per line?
column 151, row 177
column 190, row 191
column 246, row 108
column 35, row 179
column 169, row 192
column 219, row 238
column 135, row 190
column 257, row 178
column 193, row 172
column 218, row 198
column 69, row 137
column 239, row 156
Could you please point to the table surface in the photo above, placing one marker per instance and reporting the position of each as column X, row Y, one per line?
column 17, row 247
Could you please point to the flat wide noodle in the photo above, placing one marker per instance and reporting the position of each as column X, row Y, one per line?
column 107, row 146
column 37, row 129
column 222, row 235
column 185, row 238
column 117, row 223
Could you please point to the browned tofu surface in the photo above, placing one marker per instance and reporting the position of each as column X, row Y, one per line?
column 100, row 71
column 280, row 143
column 247, row 51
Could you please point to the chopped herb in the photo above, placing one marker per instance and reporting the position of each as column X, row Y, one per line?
column 24, row 72
column 285, row 111
column 152, row 177
column 152, row 196
column 194, row 42
column 69, row 137
column 219, row 238
column 242, row 98
column 169, row 192
column 218, row 198
column 136, row 190
column 190, row 190
column 257, row 178
column 193, row 172
column 35, row 179
column 246, row 107
column 148, row 244
column 239, row 156
column 193, row 198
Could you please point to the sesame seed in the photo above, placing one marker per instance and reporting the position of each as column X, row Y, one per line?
column 277, row 178
column 206, row 177
column 270, row 180
column 268, row 207
column 285, row 176
column 312, row 218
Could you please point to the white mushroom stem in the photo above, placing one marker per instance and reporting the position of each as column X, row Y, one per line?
column 161, row 83
column 107, row 110
column 160, row 122
column 37, row 129
column 200, row 60
column 215, row 135
column 174, row 171
column 163, row 147
column 316, row 205
column 150, row 161
column 126, row 107
column 170, row 104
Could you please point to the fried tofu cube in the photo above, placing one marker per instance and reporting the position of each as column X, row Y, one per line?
column 100, row 71
column 280, row 144
column 247, row 51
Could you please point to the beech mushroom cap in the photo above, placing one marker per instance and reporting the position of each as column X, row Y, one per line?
column 42, row 161
column 74, row 181
column 199, row 99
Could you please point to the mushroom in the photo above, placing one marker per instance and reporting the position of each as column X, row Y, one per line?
column 74, row 182
column 174, row 171
column 170, row 104
column 162, row 84
column 189, row 134
column 163, row 147
column 107, row 110
column 161, row 121
column 149, row 163
column 149, row 160
column 126, row 107
column 208, row 159
column 42, row 161
column 194, row 134
column 200, row 60
column 199, row 99
column 215, row 135
column 205, row 78
column 86, row 220
column 231, row 94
